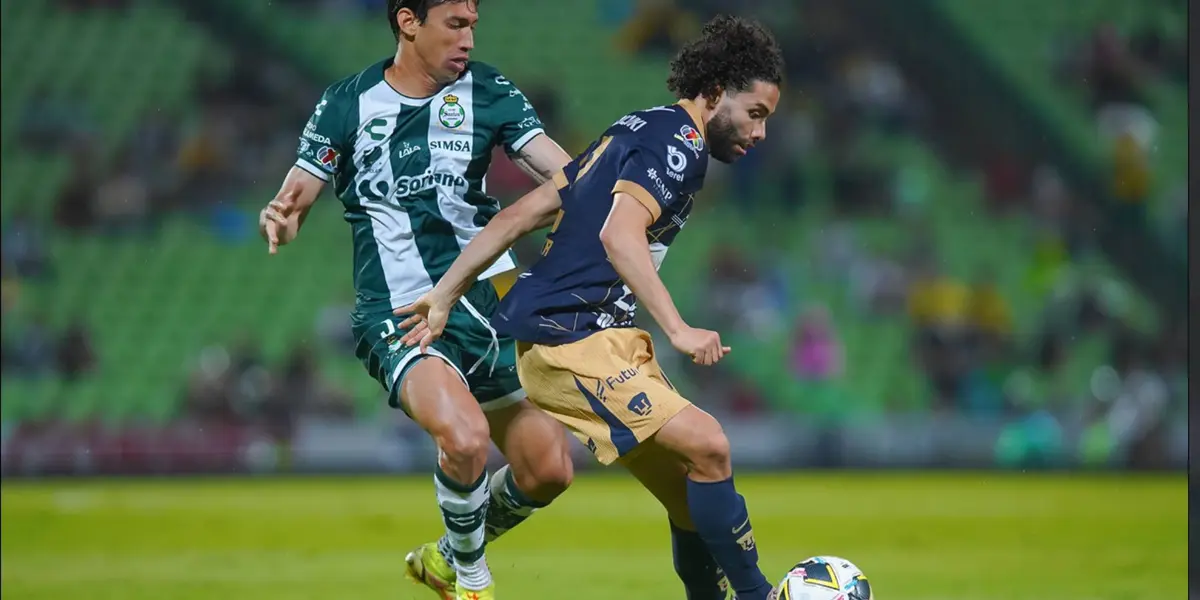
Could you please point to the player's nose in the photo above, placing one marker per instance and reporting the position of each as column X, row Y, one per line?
column 467, row 42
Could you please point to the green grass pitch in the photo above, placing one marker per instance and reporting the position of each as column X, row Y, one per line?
column 917, row 536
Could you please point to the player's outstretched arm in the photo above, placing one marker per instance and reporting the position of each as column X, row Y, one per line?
column 523, row 216
column 541, row 158
column 624, row 239
column 280, row 221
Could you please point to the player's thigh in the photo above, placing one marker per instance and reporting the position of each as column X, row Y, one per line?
column 435, row 396
column 664, row 475
column 606, row 388
column 428, row 385
column 696, row 438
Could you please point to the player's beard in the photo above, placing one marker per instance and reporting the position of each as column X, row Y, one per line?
column 722, row 137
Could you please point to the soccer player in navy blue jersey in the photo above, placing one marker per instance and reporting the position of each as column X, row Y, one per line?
column 619, row 207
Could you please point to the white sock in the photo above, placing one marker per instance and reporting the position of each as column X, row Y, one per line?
column 464, row 512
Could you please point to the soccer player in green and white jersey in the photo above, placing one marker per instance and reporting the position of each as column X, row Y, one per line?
column 406, row 144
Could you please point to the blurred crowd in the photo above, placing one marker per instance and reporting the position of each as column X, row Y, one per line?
column 198, row 162
column 842, row 92
column 343, row 9
column 1116, row 72
column 202, row 163
column 235, row 385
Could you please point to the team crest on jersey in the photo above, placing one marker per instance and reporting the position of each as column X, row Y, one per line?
column 452, row 114
column 689, row 136
column 370, row 160
column 328, row 157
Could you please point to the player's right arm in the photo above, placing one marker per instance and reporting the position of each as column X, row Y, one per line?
column 318, row 160
column 280, row 220
column 624, row 239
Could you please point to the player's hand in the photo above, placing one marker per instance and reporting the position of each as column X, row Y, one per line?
column 426, row 319
column 273, row 220
column 702, row 345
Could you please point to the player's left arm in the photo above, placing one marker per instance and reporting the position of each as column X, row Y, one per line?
column 522, row 217
column 524, row 138
column 541, row 158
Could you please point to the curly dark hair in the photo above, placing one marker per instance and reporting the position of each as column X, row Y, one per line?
column 419, row 8
column 730, row 54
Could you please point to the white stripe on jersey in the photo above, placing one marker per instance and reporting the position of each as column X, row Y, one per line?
column 311, row 170
column 525, row 139
column 397, row 246
column 450, row 151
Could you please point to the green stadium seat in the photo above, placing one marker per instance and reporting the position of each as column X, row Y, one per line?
column 1018, row 37
column 183, row 290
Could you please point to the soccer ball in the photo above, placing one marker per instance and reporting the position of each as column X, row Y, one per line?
column 825, row 578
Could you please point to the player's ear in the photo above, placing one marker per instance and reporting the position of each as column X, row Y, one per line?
column 717, row 94
column 408, row 22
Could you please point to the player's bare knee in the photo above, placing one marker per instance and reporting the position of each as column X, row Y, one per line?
column 698, row 438
column 706, row 448
column 710, row 456
column 549, row 477
column 555, row 474
column 465, row 442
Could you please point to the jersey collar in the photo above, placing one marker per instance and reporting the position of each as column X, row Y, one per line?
column 693, row 110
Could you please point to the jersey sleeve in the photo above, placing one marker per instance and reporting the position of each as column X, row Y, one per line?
column 653, row 173
column 323, row 144
column 519, row 121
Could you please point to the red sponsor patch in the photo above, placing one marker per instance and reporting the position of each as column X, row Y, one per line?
column 328, row 156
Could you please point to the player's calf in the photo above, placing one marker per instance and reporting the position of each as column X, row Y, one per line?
column 665, row 477
column 437, row 399
column 717, row 510
column 695, row 566
column 508, row 507
column 539, row 465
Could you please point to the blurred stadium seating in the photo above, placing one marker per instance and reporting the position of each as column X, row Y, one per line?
column 104, row 73
column 157, row 305
column 1026, row 39
column 901, row 291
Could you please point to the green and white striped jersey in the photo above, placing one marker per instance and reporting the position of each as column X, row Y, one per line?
column 410, row 172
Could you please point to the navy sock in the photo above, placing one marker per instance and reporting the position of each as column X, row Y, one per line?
column 696, row 568
column 719, row 513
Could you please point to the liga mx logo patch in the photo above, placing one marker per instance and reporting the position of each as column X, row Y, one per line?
column 688, row 135
column 452, row 114
column 328, row 157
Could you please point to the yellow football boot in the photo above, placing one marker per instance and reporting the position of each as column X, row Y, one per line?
column 426, row 566
column 488, row 593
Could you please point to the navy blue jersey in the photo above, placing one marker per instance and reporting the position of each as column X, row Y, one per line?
column 657, row 156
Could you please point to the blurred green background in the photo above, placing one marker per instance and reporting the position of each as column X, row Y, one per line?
column 996, row 242
column 974, row 211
